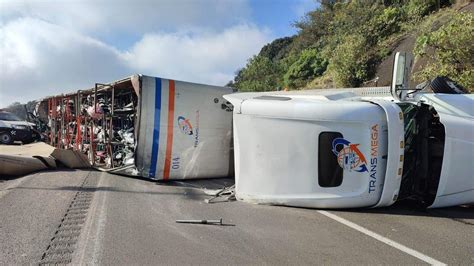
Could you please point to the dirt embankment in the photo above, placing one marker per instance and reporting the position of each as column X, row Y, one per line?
column 407, row 44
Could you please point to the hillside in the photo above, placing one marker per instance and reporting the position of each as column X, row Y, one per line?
column 352, row 43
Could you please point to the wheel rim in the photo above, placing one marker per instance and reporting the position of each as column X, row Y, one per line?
column 6, row 138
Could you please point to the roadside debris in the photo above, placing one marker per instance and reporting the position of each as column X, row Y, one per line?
column 215, row 222
column 223, row 195
column 24, row 159
column 71, row 158
column 19, row 165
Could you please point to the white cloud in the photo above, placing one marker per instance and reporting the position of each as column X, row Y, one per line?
column 207, row 57
column 39, row 58
column 102, row 17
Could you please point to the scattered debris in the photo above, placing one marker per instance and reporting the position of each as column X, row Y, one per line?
column 11, row 165
column 98, row 122
column 71, row 158
column 25, row 159
column 224, row 195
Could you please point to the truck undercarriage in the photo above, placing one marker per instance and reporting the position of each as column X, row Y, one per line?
column 423, row 158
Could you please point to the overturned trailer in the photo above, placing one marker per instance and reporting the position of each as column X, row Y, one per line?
column 145, row 126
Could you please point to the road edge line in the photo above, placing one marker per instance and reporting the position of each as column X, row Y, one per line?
column 90, row 241
column 382, row 239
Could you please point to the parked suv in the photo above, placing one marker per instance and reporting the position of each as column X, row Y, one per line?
column 13, row 128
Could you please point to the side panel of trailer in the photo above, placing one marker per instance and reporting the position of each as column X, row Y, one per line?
column 185, row 130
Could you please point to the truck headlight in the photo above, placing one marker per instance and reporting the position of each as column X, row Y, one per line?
column 20, row 127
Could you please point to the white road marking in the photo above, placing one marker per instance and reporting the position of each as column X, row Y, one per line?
column 89, row 246
column 383, row 239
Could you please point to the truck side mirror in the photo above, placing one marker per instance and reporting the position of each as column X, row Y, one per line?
column 401, row 75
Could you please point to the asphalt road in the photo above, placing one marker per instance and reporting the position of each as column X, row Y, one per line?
column 132, row 221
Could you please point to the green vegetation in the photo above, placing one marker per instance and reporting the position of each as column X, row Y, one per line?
column 309, row 64
column 261, row 74
column 349, row 64
column 449, row 49
column 342, row 42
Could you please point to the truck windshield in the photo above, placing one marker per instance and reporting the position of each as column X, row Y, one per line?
column 329, row 171
column 5, row 116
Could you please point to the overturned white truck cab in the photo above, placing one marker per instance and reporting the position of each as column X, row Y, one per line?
column 353, row 148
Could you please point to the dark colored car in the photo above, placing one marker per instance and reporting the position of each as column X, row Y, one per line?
column 13, row 128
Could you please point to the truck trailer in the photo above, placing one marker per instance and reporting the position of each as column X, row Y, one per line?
column 145, row 126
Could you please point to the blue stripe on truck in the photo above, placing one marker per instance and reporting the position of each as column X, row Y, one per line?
column 156, row 129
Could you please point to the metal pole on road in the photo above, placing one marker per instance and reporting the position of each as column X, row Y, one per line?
column 219, row 221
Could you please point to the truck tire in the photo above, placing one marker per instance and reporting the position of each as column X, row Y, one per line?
column 6, row 138
column 446, row 85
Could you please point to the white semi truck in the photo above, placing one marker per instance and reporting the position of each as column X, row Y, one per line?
column 347, row 148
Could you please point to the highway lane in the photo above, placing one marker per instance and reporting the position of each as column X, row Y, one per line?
column 446, row 234
column 139, row 214
column 133, row 221
column 31, row 209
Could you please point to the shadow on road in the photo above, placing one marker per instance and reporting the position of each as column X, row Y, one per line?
column 6, row 178
column 410, row 209
column 61, row 170
column 213, row 183
column 192, row 190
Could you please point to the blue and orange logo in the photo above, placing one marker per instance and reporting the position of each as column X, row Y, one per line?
column 349, row 156
column 185, row 126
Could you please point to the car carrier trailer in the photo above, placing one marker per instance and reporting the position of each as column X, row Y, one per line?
column 145, row 126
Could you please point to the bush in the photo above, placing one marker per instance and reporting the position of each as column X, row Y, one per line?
column 277, row 49
column 450, row 50
column 309, row 65
column 260, row 74
column 416, row 9
column 383, row 25
column 349, row 64
column 354, row 37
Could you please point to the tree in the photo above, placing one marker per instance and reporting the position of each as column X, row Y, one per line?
column 260, row 74
column 309, row 65
column 277, row 49
column 416, row 9
column 349, row 64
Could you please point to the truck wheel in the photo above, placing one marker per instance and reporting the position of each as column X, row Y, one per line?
column 446, row 85
column 6, row 138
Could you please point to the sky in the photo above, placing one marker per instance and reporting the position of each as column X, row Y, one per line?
column 50, row 47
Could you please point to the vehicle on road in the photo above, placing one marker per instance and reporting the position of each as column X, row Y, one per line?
column 13, row 128
column 361, row 147
column 145, row 126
